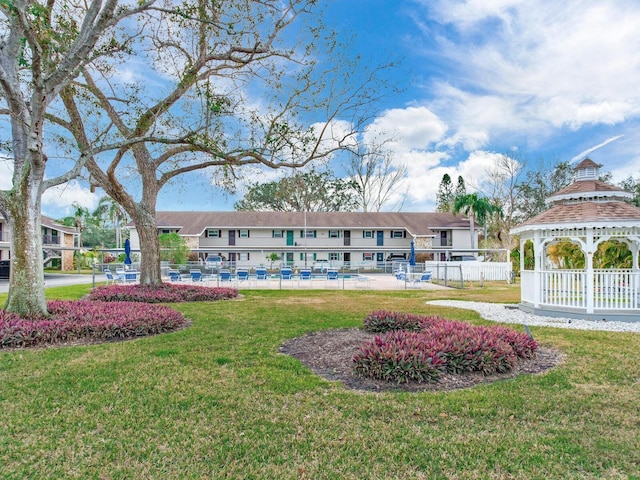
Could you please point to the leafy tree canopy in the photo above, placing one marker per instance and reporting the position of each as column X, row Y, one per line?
column 312, row 191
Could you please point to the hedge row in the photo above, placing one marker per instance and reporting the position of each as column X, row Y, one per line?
column 161, row 293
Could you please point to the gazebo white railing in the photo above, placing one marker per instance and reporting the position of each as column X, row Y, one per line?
column 604, row 291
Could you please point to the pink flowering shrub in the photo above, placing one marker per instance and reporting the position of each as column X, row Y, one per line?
column 161, row 293
column 72, row 321
column 423, row 354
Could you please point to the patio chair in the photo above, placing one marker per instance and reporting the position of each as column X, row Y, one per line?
column 174, row 276
column 332, row 277
column 422, row 279
column 120, row 275
column 305, row 277
column 225, row 276
column 286, row 273
column 110, row 278
column 261, row 274
column 242, row 276
column 131, row 276
column 196, row 275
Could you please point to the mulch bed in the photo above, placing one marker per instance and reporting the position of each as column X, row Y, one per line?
column 329, row 354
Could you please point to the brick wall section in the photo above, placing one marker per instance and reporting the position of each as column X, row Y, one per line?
column 67, row 255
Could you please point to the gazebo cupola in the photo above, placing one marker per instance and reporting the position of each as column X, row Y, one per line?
column 586, row 213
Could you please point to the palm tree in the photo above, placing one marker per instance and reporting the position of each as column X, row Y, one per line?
column 109, row 208
column 477, row 208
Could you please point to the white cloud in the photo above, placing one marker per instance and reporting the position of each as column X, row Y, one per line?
column 560, row 64
column 412, row 127
column 61, row 197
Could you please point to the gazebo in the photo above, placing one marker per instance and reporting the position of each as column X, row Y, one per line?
column 586, row 213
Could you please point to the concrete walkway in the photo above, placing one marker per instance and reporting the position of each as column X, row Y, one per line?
column 58, row 280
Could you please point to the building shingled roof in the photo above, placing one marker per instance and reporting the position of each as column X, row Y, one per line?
column 420, row 224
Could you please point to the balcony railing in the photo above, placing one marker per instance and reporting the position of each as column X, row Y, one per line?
column 51, row 239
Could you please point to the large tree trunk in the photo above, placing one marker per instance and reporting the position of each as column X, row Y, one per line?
column 145, row 221
column 26, row 284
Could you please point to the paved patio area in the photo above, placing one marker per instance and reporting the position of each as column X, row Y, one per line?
column 361, row 282
column 355, row 282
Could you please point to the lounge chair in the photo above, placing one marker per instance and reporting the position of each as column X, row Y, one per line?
column 422, row 279
column 196, row 275
column 286, row 273
column 242, row 276
column 332, row 277
column 225, row 276
column 174, row 276
column 261, row 274
column 305, row 277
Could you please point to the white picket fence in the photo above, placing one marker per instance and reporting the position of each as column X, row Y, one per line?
column 470, row 271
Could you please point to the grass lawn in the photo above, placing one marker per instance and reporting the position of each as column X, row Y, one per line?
column 217, row 400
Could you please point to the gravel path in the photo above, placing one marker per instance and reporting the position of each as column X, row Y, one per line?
column 498, row 312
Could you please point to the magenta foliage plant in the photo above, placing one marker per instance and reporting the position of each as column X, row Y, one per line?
column 72, row 321
column 431, row 346
column 161, row 293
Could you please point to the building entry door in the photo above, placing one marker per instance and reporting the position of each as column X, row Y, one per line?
column 347, row 238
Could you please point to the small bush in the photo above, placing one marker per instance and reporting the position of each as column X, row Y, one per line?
column 432, row 345
column 382, row 321
column 161, row 293
column 399, row 357
column 72, row 321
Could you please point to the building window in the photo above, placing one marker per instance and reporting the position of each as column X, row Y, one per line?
column 397, row 233
column 367, row 256
column 165, row 231
column 334, row 256
column 334, row 233
column 213, row 233
column 309, row 233
column 243, row 257
column 278, row 233
column 367, row 234
column 244, row 233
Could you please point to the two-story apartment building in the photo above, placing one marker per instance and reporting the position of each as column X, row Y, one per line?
column 304, row 238
column 58, row 242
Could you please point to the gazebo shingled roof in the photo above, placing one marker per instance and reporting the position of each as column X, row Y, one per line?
column 584, row 202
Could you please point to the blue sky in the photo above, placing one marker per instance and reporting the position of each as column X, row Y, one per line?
column 541, row 80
